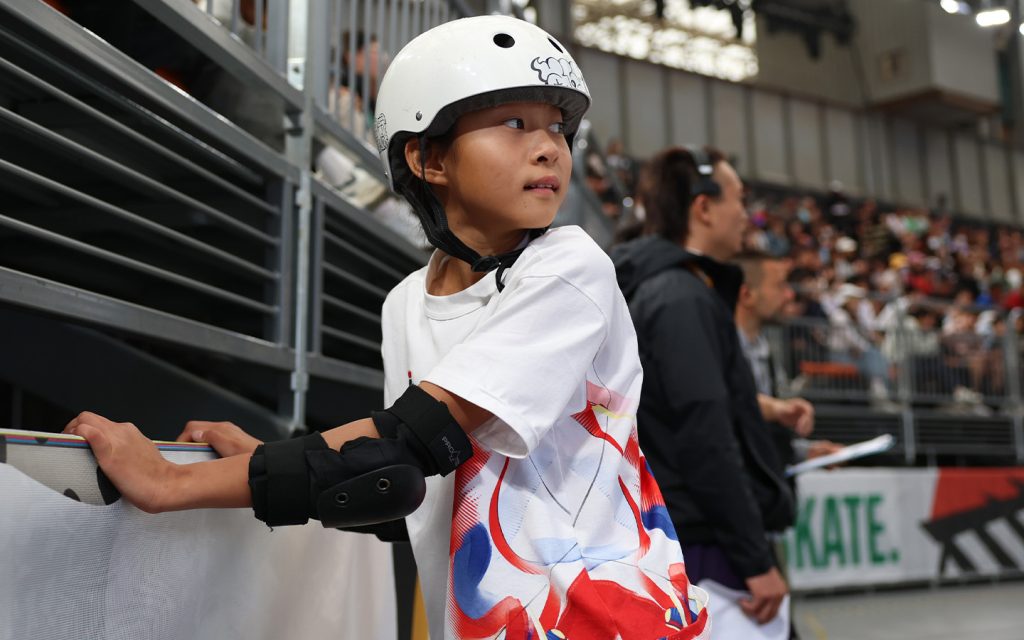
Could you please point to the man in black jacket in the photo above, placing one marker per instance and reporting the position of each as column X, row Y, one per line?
column 699, row 421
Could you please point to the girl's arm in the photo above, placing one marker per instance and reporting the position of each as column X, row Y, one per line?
column 154, row 484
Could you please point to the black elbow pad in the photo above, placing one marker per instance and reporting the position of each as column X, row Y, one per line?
column 370, row 480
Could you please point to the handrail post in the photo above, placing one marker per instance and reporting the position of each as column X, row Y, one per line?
column 1011, row 351
column 904, row 391
column 304, row 62
column 276, row 50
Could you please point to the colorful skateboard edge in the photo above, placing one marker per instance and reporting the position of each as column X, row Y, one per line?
column 44, row 438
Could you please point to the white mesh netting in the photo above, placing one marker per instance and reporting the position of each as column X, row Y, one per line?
column 72, row 570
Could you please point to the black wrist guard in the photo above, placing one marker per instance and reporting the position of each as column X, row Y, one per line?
column 279, row 480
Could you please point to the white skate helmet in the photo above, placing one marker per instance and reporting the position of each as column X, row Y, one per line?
column 472, row 64
column 463, row 66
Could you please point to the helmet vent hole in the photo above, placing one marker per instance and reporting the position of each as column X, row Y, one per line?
column 556, row 45
column 504, row 40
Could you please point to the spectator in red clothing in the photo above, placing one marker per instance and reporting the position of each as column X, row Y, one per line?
column 1014, row 298
column 919, row 278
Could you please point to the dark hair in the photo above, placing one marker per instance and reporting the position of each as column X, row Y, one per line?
column 360, row 37
column 345, row 50
column 666, row 187
column 752, row 262
column 798, row 275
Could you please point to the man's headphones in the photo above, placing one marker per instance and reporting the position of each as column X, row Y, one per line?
column 705, row 185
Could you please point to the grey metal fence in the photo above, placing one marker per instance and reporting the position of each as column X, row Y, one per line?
column 114, row 186
column 195, row 214
column 257, row 24
column 831, row 361
column 362, row 37
column 202, row 175
column 953, row 392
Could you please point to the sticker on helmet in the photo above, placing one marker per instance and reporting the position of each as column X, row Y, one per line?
column 382, row 133
column 560, row 72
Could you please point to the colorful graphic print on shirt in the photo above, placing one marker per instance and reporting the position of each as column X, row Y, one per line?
column 569, row 586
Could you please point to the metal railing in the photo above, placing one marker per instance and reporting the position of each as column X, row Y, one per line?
column 115, row 189
column 170, row 214
column 361, row 39
column 954, row 392
column 260, row 27
column 207, row 178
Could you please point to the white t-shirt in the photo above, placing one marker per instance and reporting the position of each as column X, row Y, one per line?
column 555, row 524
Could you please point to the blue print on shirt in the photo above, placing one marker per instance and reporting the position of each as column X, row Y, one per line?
column 468, row 568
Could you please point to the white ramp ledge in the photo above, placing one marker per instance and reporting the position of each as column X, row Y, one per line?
column 84, row 569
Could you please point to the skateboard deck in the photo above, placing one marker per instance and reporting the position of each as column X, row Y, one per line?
column 65, row 463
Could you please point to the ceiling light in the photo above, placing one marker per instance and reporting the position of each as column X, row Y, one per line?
column 992, row 17
column 950, row 6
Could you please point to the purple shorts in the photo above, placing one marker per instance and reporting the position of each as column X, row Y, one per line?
column 709, row 562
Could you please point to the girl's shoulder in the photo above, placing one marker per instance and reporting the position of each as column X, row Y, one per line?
column 571, row 263
column 569, row 253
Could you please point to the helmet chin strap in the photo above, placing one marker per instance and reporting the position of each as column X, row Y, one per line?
column 439, row 234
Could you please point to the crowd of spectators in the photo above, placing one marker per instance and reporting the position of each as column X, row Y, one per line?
column 879, row 287
column 886, row 286
column 900, row 287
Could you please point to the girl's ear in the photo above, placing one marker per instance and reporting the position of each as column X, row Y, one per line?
column 434, row 171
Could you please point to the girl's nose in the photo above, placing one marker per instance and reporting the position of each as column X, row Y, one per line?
column 546, row 150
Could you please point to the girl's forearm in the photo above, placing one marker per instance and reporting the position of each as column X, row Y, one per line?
column 224, row 483
column 210, row 484
column 338, row 436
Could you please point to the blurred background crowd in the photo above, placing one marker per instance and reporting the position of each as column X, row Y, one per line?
column 876, row 286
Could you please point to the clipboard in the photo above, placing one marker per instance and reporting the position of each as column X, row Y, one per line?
column 871, row 447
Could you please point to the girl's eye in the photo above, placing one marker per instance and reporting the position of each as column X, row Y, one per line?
column 558, row 127
column 515, row 123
